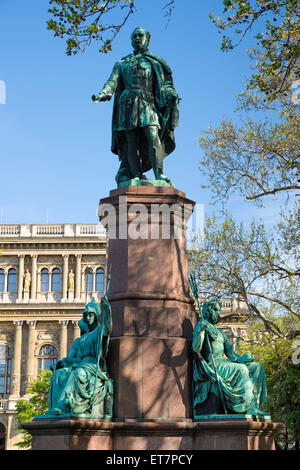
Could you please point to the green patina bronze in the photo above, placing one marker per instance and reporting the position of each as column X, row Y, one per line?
column 145, row 112
column 80, row 385
column 224, row 383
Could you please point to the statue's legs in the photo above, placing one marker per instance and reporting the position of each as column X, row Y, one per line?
column 124, row 172
column 155, row 151
column 134, row 162
column 154, row 148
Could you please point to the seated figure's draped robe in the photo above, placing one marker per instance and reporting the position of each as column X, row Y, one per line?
column 72, row 386
column 243, row 385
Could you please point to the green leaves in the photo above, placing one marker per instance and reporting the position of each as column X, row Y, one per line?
column 80, row 22
column 247, row 263
column 278, row 23
column 36, row 405
column 282, row 378
column 255, row 159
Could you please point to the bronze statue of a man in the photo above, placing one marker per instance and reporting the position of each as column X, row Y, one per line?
column 145, row 111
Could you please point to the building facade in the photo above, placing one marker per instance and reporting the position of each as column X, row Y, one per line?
column 47, row 274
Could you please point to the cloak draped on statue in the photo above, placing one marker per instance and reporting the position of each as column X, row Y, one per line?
column 167, row 113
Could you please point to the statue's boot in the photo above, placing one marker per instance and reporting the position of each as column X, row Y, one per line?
column 163, row 178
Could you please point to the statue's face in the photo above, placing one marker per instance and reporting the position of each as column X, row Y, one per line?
column 90, row 316
column 214, row 312
column 139, row 40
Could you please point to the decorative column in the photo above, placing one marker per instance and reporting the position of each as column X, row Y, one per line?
column 94, row 281
column 33, row 277
column 78, row 280
column 5, row 294
column 76, row 330
column 63, row 338
column 16, row 366
column 5, row 280
column 30, row 373
column 20, row 278
column 65, row 277
column 38, row 284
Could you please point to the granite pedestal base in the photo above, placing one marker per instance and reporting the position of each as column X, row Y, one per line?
column 153, row 314
column 214, row 434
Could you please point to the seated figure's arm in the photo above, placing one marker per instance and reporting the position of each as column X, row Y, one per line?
column 233, row 356
column 228, row 349
column 70, row 359
column 198, row 338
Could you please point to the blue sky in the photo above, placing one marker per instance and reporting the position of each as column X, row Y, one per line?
column 55, row 142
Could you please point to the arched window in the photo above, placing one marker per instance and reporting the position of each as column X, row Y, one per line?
column 100, row 280
column 89, row 280
column 12, row 280
column 47, row 356
column 2, row 280
column 44, row 280
column 5, row 369
column 56, row 280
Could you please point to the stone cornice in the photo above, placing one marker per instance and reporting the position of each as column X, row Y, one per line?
column 19, row 247
column 38, row 316
column 16, row 309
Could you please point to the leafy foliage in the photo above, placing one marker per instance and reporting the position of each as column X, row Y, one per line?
column 278, row 45
column 247, row 263
column 283, row 381
column 259, row 158
column 81, row 21
column 36, row 405
column 254, row 158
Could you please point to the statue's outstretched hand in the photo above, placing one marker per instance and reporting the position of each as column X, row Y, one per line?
column 101, row 97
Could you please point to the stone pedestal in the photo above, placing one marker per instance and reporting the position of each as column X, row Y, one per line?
column 89, row 434
column 153, row 315
column 71, row 296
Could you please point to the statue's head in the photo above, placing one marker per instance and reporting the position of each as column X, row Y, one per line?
column 140, row 39
column 92, row 314
column 211, row 311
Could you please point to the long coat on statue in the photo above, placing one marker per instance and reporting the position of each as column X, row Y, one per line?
column 142, row 84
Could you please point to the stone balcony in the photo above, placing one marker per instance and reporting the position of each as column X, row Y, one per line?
column 52, row 230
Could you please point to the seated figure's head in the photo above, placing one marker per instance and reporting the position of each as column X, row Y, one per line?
column 91, row 316
column 211, row 311
column 140, row 39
